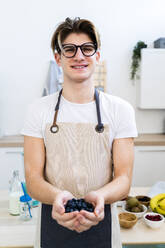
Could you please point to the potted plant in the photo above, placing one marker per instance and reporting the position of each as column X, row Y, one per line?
column 136, row 57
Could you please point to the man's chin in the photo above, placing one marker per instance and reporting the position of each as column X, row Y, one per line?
column 80, row 79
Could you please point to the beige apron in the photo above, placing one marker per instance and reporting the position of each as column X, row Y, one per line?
column 78, row 159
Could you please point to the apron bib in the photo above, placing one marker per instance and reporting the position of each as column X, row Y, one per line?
column 78, row 159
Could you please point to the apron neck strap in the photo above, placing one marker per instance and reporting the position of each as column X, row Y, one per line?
column 58, row 101
column 100, row 127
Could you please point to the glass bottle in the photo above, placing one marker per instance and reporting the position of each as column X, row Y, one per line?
column 15, row 191
column 25, row 207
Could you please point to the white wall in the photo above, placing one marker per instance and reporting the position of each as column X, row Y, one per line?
column 26, row 28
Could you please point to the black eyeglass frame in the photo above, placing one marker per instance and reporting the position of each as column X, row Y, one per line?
column 80, row 46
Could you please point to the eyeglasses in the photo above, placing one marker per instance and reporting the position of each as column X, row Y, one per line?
column 88, row 49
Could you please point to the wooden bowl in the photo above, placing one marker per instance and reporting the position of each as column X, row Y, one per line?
column 127, row 220
column 143, row 199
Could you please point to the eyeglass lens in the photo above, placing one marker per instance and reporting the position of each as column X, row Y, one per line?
column 69, row 50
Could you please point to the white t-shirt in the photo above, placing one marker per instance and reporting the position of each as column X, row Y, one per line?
column 116, row 112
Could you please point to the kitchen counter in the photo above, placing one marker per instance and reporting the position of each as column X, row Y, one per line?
column 150, row 140
column 141, row 140
column 15, row 233
column 12, row 141
column 141, row 233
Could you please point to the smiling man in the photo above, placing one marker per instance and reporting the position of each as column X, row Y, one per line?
column 78, row 143
column 79, row 70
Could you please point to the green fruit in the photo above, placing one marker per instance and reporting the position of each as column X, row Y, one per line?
column 136, row 210
column 128, row 197
column 132, row 202
column 140, row 207
column 127, row 208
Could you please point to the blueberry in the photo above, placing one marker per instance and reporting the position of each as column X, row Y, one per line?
column 78, row 205
column 69, row 203
column 84, row 204
column 67, row 210
column 89, row 205
column 90, row 209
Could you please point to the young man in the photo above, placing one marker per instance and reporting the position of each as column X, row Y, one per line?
column 70, row 138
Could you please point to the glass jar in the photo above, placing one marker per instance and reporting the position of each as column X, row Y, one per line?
column 25, row 207
column 15, row 192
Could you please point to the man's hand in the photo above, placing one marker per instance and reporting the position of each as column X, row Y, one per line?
column 58, row 211
column 85, row 220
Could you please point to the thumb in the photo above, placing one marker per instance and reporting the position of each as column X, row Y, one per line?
column 99, row 207
column 97, row 211
column 59, row 208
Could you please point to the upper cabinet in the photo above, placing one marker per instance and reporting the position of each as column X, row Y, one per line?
column 151, row 86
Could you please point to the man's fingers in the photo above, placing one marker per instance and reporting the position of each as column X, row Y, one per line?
column 61, row 200
column 82, row 228
column 65, row 216
column 86, row 222
column 99, row 208
column 59, row 209
column 92, row 216
column 58, row 205
column 69, row 224
column 97, row 201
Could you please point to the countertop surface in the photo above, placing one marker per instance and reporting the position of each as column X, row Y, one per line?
column 12, row 141
column 141, row 233
column 15, row 233
column 141, row 140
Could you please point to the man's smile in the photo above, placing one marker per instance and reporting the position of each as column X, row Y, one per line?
column 81, row 66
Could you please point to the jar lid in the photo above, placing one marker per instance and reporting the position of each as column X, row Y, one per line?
column 25, row 198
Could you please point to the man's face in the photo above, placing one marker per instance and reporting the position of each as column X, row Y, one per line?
column 78, row 68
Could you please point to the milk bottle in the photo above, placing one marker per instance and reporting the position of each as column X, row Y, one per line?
column 14, row 194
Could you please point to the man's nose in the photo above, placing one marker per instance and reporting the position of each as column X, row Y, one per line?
column 79, row 54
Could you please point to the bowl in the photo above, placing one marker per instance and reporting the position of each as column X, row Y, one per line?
column 139, row 214
column 120, row 203
column 143, row 199
column 151, row 223
column 127, row 220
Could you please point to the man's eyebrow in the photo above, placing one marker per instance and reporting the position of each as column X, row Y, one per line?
column 67, row 44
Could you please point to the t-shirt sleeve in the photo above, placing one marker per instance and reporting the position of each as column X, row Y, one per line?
column 125, row 121
column 33, row 121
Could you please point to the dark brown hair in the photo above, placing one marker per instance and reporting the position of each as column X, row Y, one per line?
column 75, row 25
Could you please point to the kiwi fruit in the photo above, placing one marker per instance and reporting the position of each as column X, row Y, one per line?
column 132, row 202
column 140, row 207
column 135, row 209
column 127, row 207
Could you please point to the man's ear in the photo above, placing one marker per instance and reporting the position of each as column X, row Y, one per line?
column 57, row 57
column 97, row 56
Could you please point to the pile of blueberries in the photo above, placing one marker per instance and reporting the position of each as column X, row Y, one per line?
column 78, row 205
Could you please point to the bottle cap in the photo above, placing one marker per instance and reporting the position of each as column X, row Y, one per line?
column 25, row 198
